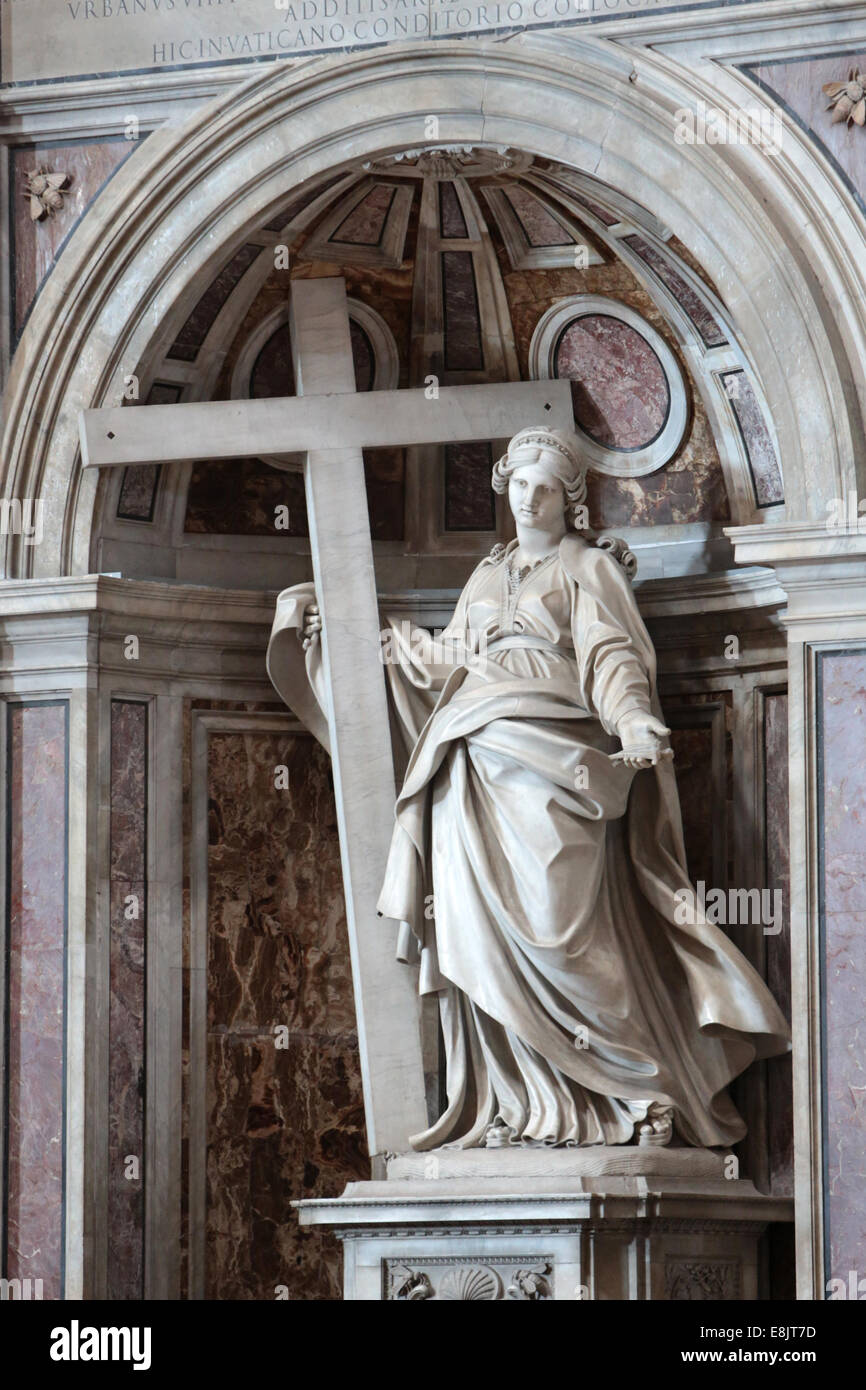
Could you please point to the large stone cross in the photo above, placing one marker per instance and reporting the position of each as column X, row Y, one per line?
column 324, row 430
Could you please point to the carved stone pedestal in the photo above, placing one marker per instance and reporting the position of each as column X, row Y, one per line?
column 607, row 1223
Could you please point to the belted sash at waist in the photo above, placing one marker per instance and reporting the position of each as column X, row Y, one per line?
column 510, row 641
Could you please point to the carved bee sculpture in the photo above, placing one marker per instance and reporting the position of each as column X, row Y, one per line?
column 44, row 192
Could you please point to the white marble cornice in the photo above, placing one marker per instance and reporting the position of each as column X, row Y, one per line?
column 823, row 574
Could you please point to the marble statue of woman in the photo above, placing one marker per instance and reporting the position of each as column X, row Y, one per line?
column 539, row 817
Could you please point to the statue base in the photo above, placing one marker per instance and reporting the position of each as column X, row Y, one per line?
column 551, row 1224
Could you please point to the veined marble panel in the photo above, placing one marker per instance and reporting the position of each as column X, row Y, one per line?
column 463, row 348
column 284, row 1102
column 35, row 245
column 620, row 393
column 842, row 759
column 137, row 497
column 452, row 222
column 36, row 993
column 780, row 1118
column 189, row 340
column 127, row 961
column 797, row 86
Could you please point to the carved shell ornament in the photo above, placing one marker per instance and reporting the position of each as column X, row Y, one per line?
column 44, row 192
column 848, row 99
column 474, row 1283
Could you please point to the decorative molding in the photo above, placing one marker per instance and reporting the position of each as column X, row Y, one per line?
column 139, row 262
column 617, row 463
column 713, row 1280
column 521, row 253
column 387, row 254
column 448, row 162
column 386, row 375
column 464, row 1280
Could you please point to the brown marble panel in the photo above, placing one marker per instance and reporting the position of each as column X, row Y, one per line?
column 239, row 497
column 282, row 1125
column 693, row 761
column 363, row 357
column 759, row 446
column 137, row 497
column 186, row 346
column 273, row 372
column 385, row 478
column 797, row 86
column 452, row 223
column 706, row 798
column 710, row 330
column 283, row 1122
column 36, row 984
column 463, row 349
column 539, row 225
column 365, row 223
column 291, row 210
column 842, row 812
column 469, row 498
column 619, row 388
column 36, row 245
column 780, row 1106
column 126, row 1024
column 603, row 215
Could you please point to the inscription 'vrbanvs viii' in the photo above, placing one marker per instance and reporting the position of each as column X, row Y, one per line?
column 577, row 1007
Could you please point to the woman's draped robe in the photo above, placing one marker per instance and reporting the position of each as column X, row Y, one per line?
column 571, row 997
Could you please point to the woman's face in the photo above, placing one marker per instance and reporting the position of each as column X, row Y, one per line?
column 535, row 494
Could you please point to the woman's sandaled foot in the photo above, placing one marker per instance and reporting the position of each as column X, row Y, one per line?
column 658, row 1128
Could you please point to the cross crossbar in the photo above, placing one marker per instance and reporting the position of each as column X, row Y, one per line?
column 293, row 425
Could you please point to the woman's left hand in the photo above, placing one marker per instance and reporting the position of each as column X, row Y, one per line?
column 643, row 741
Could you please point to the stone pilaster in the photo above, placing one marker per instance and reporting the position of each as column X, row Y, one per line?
column 823, row 572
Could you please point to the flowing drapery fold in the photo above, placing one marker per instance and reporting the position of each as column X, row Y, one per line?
column 572, row 998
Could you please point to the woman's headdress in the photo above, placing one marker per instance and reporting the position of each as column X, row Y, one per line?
column 564, row 462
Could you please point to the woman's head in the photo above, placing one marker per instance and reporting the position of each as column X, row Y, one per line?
column 542, row 472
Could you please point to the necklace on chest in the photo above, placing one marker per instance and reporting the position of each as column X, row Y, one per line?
column 515, row 574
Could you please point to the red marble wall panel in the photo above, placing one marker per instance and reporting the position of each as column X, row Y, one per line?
column 780, row 1105
column 365, row 224
column 126, row 1021
column 35, row 245
column 36, row 993
column 689, row 300
column 693, row 760
column 620, row 391
column 385, row 480
column 540, row 227
column 763, row 462
column 842, row 809
column 239, row 497
column 706, row 791
column 283, row 1122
